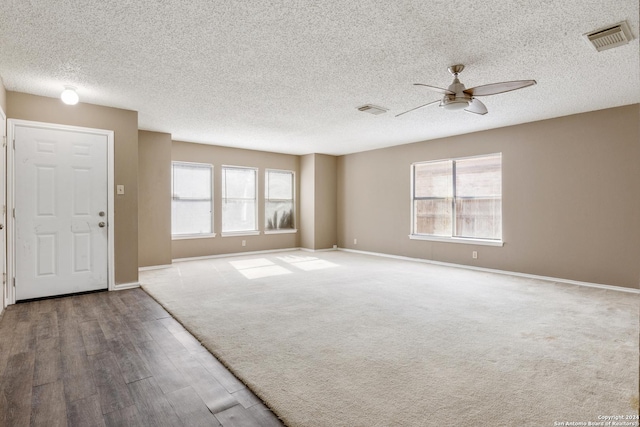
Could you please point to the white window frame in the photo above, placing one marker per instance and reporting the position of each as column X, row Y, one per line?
column 194, row 235
column 223, row 199
column 452, row 238
column 293, row 201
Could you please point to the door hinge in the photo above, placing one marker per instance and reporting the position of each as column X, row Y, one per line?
column 14, row 282
column 14, row 212
column 4, row 140
column 4, row 278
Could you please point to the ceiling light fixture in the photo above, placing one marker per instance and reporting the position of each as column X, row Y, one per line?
column 69, row 95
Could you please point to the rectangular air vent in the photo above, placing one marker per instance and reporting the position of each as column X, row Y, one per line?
column 609, row 37
column 372, row 109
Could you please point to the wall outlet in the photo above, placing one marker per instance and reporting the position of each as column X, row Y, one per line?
column 335, row 246
column 244, row 243
column 474, row 254
column 355, row 241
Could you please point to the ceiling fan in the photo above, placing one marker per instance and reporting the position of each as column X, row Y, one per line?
column 457, row 97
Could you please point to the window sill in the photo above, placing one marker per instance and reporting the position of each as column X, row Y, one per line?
column 285, row 231
column 463, row 240
column 192, row 236
column 240, row 233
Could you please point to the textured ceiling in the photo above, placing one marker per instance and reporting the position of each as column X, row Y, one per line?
column 287, row 76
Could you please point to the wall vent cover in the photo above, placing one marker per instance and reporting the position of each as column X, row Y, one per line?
column 372, row 109
column 609, row 37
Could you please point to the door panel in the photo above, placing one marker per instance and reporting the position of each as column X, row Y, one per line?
column 60, row 193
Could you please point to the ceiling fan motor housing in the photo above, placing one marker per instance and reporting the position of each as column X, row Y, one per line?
column 458, row 101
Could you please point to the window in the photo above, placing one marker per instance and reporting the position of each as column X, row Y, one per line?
column 191, row 201
column 458, row 198
column 278, row 194
column 239, row 199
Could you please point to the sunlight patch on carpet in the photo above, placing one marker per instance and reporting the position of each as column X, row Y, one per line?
column 307, row 263
column 258, row 268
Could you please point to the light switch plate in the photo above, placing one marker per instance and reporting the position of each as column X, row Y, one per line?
column 120, row 189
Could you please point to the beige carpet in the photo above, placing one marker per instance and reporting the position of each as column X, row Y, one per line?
column 343, row 339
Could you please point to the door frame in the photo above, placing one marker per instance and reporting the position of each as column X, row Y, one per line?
column 11, row 243
column 3, row 210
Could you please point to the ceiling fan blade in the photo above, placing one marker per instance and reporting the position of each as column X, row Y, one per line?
column 413, row 109
column 436, row 89
column 495, row 88
column 476, row 107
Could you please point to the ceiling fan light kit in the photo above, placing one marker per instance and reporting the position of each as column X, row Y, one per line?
column 454, row 103
column 457, row 97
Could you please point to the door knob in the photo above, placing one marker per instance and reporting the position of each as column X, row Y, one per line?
column 1, row 226
column 101, row 224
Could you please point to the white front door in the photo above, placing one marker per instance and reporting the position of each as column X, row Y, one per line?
column 61, row 211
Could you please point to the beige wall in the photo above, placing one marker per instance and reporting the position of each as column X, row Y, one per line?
column 219, row 156
column 307, row 201
column 318, row 184
column 571, row 198
column 154, row 198
column 124, row 123
column 325, row 185
column 3, row 96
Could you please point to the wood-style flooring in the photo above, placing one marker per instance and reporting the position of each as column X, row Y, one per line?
column 114, row 359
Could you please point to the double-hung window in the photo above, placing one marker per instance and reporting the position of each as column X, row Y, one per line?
column 458, row 199
column 191, row 199
column 279, row 202
column 239, row 200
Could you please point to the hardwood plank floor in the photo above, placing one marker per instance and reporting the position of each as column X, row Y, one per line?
column 114, row 359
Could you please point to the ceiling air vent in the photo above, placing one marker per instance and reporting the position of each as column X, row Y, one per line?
column 609, row 37
column 372, row 109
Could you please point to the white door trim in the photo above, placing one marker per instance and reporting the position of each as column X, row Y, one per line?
column 5, row 282
column 12, row 124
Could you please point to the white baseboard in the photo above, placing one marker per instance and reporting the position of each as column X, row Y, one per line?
column 491, row 270
column 318, row 250
column 268, row 251
column 123, row 286
column 154, row 267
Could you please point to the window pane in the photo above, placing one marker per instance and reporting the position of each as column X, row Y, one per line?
column 433, row 179
column 479, row 218
column 279, row 185
column 238, row 215
column 191, row 181
column 279, row 200
column 476, row 184
column 238, row 199
column 432, row 216
column 279, row 215
column 191, row 217
column 479, row 177
column 479, row 197
column 191, row 204
column 238, row 183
